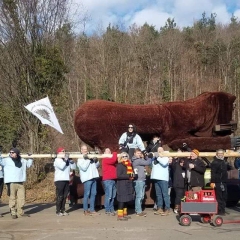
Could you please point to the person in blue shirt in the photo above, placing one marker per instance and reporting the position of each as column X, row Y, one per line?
column 160, row 175
column 15, row 168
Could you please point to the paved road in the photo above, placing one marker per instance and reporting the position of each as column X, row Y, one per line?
column 44, row 224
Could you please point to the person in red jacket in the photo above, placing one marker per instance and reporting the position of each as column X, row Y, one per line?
column 109, row 176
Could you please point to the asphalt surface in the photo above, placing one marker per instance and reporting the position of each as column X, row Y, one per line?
column 44, row 224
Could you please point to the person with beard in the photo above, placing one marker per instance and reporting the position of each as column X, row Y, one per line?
column 218, row 180
column 130, row 140
column 15, row 168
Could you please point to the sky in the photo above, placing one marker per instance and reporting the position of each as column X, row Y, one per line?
column 154, row 12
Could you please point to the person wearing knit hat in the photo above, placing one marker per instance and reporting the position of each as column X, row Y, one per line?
column 195, row 151
column 15, row 150
column 195, row 171
column 60, row 150
column 61, row 179
column 15, row 168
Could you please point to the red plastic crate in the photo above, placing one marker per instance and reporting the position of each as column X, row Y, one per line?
column 192, row 196
column 208, row 196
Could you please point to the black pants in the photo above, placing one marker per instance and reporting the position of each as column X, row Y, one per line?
column 121, row 205
column 62, row 188
column 179, row 194
column 221, row 197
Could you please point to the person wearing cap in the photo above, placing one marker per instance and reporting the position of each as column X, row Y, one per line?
column 88, row 168
column 15, row 168
column 195, row 172
column 62, row 165
column 219, row 177
column 130, row 140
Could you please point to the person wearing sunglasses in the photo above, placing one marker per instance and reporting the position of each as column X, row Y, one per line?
column 125, row 191
column 15, row 168
column 63, row 166
column 130, row 140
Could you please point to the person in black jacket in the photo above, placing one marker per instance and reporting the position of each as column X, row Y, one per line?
column 154, row 144
column 195, row 171
column 125, row 191
column 218, row 180
column 179, row 184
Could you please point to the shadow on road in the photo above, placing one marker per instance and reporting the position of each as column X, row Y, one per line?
column 38, row 207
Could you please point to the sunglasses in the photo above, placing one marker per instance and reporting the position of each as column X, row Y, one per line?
column 11, row 152
column 130, row 127
column 124, row 156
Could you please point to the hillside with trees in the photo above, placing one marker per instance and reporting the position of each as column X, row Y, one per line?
column 42, row 54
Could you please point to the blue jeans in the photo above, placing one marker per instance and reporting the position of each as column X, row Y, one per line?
column 139, row 187
column 90, row 191
column 110, row 194
column 161, row 188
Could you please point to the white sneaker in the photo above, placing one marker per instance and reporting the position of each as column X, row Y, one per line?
column 175, row 211
column 65, row 214
column 59, row 214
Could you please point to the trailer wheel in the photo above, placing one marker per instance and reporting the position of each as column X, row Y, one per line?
column 185, row 220
column 205, row 219
column 217, row 221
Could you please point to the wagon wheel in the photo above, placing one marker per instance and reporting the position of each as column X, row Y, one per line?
column 217, row 221
column 205, row 219
column 185, row 220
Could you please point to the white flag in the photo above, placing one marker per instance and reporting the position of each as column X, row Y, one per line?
column 43, row 110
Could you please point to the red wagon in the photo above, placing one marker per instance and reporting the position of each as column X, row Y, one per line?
column 202, row 203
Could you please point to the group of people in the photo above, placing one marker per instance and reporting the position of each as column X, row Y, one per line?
column 123, row 177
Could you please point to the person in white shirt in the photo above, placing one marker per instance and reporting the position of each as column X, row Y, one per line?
column 160, row 175
column 15, row 168
column 88, row 175
column 61, row 178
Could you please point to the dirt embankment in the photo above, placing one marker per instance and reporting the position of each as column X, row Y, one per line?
column 40, row 192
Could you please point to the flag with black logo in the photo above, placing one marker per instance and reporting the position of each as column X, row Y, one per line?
column 43, row 110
